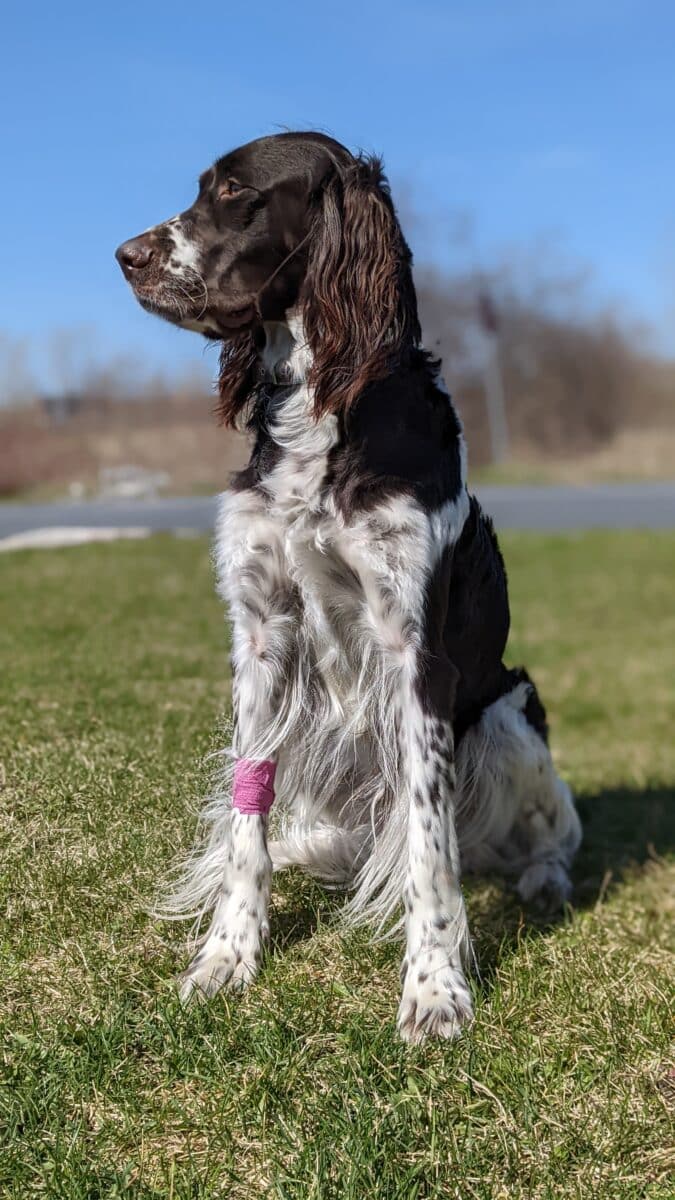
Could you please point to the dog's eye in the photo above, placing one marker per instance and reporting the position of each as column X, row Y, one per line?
column 228, row 189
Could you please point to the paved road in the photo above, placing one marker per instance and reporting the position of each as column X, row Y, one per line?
column 597, row 506
column 601, row 506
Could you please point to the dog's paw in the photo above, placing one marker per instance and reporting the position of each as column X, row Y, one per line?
column 219, row 964
column 436, row 1001
column 545, row 884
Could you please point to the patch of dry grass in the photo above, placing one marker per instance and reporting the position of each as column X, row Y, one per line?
column 631, row 455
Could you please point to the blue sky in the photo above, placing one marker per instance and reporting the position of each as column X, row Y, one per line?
column 545, row 123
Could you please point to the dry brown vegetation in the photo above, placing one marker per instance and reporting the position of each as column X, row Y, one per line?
column 584, row 399
column 574, row 385
column 177, row 435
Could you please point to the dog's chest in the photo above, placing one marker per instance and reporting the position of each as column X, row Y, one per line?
column 314, row 537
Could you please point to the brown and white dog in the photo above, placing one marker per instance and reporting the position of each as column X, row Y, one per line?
column 366, row 589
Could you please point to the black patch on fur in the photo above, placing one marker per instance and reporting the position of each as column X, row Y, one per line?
column 265, row 454
column 466, row 627
column 477, row 618
column 400, row 438
column 437, row 678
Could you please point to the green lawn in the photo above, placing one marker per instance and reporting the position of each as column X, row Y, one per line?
column 113, row 686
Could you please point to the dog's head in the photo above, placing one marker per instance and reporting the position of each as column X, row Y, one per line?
column 287, row 222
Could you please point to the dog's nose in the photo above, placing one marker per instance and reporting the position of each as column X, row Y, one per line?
column 134, row 255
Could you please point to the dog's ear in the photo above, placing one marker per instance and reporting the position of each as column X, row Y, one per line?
column 236, row 379
column 358, row 299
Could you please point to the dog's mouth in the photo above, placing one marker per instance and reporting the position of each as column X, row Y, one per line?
column 237, row 318
column 163, row 302
column 193, row 311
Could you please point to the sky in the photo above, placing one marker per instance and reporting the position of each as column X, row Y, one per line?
column 521, row 124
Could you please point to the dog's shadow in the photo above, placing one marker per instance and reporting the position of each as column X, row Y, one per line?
column 623, row 830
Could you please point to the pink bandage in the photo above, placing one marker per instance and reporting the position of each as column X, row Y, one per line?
column 253, row 788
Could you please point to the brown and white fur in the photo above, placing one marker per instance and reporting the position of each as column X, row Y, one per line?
column 365, row 587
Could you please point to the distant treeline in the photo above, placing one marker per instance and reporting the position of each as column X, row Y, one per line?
column 571, row 381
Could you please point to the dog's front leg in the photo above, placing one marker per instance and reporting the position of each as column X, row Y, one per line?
column 435, row 1000
column 263, row 608
column 404, row 573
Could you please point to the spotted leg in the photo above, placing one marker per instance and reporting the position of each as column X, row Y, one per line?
column 403, row 564
column 262, row 605
column 435, row 1000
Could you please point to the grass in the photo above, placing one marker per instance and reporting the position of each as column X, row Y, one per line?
column 113, row 686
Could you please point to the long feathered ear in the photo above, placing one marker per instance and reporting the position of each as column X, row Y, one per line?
column 236, row 379
column 358, row 299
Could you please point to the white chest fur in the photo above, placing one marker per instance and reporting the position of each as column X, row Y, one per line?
column 311, row 530
column 295, row 486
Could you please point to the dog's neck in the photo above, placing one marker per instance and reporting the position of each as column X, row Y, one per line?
column 286, row 357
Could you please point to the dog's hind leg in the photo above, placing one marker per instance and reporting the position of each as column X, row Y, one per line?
column 515, row 814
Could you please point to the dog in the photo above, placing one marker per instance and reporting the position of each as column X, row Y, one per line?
column 366, row 589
